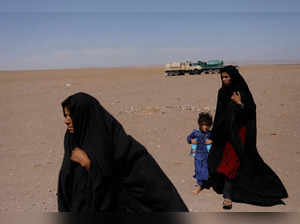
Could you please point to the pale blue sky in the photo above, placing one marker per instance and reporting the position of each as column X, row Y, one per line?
column 110, row 33
column 153, row 5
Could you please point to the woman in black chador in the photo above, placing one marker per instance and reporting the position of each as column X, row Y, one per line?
column 236, row 169
column 104, row 169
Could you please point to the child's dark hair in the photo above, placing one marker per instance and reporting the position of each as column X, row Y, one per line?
column 205, row 118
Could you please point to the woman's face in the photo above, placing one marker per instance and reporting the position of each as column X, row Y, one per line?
column 225, row 78
column 68, row 120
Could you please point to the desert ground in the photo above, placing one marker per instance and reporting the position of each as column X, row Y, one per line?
column 158, row 111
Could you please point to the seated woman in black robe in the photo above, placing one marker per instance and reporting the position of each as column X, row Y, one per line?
column 236, row 169
column 106, row 170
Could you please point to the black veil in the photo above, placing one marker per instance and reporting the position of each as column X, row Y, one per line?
column 123, row 176
column 256, row 182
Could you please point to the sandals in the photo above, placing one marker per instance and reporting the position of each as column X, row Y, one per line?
column 227, row 204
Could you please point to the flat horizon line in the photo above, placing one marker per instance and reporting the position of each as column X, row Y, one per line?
column 145, row 66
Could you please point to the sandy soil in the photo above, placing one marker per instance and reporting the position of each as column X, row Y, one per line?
column 158, row 111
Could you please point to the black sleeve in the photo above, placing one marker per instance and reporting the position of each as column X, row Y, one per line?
column 217, row 118
column 232, row 128
column 63, row 193
column 81, row 191
column 248, row 106
column 61, row 202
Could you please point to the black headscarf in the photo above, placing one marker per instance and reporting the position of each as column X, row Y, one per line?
column 256, row 183
column 237, row 84
column 123, row 176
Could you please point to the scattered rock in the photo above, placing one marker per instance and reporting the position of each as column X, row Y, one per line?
column 162, row 109
column 170, row 107
column 206, row 108
column 187, row 107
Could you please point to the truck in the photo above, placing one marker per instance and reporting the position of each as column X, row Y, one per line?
column 180, row 68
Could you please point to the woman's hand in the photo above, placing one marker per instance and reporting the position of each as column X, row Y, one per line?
column 80, row 156
column 236, row 97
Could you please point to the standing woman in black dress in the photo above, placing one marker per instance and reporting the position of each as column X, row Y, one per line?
column 237, row 171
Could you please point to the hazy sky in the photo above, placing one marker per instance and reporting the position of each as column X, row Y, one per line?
column 62, row 34
column 153, row 5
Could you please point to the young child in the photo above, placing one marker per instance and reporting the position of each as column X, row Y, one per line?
column 200, row 140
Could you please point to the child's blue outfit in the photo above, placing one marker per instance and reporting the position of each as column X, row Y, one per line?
column 200, row 155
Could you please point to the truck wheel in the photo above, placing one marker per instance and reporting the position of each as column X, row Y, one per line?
column 194, row 72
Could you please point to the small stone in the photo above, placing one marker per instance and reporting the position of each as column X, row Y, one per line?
column 187, row 107
column 68, row 85
column 206, row 108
